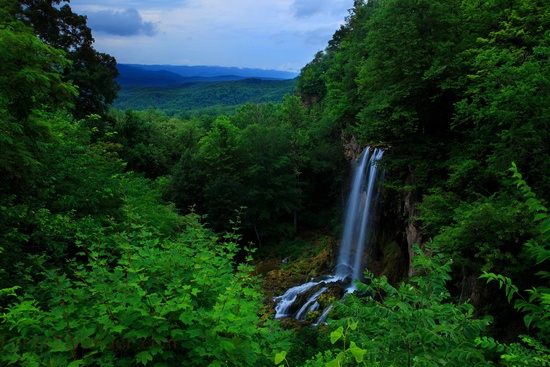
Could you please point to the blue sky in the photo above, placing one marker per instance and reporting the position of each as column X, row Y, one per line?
column 266, row 34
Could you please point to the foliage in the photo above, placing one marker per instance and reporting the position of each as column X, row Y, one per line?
column 140, row 299
column 273, row 159
column 458, row 90
column 485, row 234
column 401, row 80
column 413, row 324
column 195, row 99
column 504, row 105
column 30, row 83
column 98, row 269
column 532, row 351
column 92, row 72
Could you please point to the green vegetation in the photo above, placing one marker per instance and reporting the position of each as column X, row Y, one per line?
column 92, row 72
column 408, row 325
column 199, row 98
column 127, row 235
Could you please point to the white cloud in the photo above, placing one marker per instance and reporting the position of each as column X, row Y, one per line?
column 310, row 8
column 125, row 4
column 120, row 23
column 307, row 8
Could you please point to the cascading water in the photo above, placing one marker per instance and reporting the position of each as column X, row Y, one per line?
column 358, row 218
column 358, row 229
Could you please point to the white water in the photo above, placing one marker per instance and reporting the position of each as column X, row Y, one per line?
column 358, row 218
column 310, row 305
column 358, row 229
column 285, row 303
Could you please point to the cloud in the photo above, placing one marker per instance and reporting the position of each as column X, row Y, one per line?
column 309, row 8
column 318, row 37
column 125, row 4
column 314, row 39
column 125, row 23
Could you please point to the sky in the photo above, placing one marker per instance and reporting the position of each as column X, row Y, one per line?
column 264, row 34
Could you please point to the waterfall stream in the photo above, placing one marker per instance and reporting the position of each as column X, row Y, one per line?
column 359, row 222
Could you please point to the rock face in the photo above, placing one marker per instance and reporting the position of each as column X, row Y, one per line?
column 414, row 235
column 352, row 149
column 398, row 231
column 389, row 254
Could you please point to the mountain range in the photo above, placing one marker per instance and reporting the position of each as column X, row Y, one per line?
column 168, row 75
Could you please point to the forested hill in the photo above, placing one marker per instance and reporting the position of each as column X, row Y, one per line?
column 196, row 98
column 197, row 90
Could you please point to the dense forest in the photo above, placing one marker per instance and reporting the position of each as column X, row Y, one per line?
column 134, row 237
column 203, row 97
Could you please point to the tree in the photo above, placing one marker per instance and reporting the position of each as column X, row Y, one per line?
column 92, row 72
column 504, row 110
column 30, row 83
column 410, row 48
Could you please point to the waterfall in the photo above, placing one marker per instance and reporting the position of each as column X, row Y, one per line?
column 359, row 223
column 358, row 217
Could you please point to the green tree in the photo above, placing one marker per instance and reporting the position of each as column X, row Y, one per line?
column 269, row 180
column 505, row 109
column 92, row 72
column 30, row 83
column 344, row 56
column 310, row 85
column 410, row 48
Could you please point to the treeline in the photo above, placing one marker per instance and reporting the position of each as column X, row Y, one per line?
column 199, row 98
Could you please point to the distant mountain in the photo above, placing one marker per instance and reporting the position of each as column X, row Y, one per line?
column 133, row 75
column 167, row 75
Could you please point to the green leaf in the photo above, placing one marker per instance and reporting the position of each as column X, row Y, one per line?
column 143, row 357
column 528, row 319
column 58, row 345
column 280, row 357
column 336, row 335
column 80, row 362
column 357, row 352
column 544, row 226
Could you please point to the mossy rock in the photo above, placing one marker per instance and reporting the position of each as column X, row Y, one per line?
column 316, row 260
column 392, row 263
column 313, row 316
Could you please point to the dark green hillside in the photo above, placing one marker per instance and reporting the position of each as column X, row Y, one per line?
column 200, row 98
